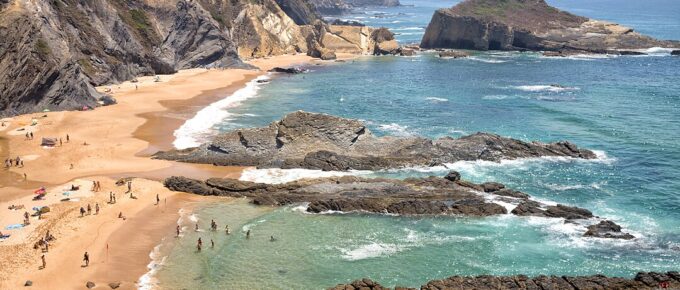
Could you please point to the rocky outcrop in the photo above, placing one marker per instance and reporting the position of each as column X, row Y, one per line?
column 338, row 7
column 676, row 52
column 607, row 229
column 411, row 197
column 319, row 141
column 528, row 25
column 643, row 280
column 453, row 54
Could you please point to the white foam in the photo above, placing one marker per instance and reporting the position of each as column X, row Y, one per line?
column 371, row 250
column 277, row 175
column 196, row 129
column 436, row 99
column 396, row 129
column 658, row 51
column 148, row 281
column 486, row 60
column 545, row 88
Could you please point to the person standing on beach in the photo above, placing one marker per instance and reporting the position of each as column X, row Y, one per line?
column 96, row 208
column 31, row 135
column 82, row 211
column 60, row 143
column 129, row 185
column 110, row 196
column 196, row 227
column 158, row 199
column 89, row 209
column 213, row 225
column 44, row 264
column 212, row 243
column 248, row 234
column 86, row 259
column 114, row 198
column 178, row 230
column 67, row 138
column 199, row 245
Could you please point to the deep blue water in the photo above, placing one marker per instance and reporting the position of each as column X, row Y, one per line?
column 627, row 108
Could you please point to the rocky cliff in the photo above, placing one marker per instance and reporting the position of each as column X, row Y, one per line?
column 643, row 280
column 528, row 25
column 318, row 141
column 53, row 53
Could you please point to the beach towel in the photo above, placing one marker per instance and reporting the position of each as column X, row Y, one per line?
column 14, row 227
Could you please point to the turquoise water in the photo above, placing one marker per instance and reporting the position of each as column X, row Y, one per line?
column 626, row 108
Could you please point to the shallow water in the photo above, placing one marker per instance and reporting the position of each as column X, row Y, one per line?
column 626, row 108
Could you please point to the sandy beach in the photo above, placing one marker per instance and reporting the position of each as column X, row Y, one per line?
column 104, row 145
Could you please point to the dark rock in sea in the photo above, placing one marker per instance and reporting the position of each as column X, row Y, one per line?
column 607, row 229
column 385, row 43
column 406, row 52
column 630, row 52
column 643, row 280
column 319, row 141
column 528, row 25
column 90, row 285
column 492, row 186
column 676, row 52
column 262, row 81
column 453, row 54
column 534, row 208
column 452, row 176
column 288, row 70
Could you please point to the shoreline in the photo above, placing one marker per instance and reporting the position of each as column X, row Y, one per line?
column 105, row 144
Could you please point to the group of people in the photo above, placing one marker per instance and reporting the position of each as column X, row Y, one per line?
column 9, row 162
column 213, row 227
column 29, row 135
column 96, row 186
column 89, row 210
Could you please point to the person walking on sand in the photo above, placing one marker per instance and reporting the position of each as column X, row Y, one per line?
column 199, row 245
column 68, row 138
column 25, row 176
column 110, row 196
column 129, row 185
column 212, row 243
column 60, row 143
column 44, row 264
column 31, row 135
column 158, row 199
column 86, row 259
column 178, row 230
column 96, row 208
column 114, row 198
column 82, row 211
column 94, row 186
column 89, row 209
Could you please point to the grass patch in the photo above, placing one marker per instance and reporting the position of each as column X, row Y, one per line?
column 42, row 48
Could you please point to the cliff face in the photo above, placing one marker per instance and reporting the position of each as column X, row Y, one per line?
column 527, row 24
column 53, row 53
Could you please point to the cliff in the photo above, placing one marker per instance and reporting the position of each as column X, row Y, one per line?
column 53, row 53
column 528, row 25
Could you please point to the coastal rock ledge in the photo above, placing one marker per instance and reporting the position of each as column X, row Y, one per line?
column 319, row 141
column 643, row 280
column 529, row 25
column 447, row 196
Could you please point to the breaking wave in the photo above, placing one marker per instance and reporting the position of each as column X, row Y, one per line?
column 196, row 129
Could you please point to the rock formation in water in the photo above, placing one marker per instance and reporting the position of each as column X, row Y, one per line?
column 338, row 7
column 413, row 196
column 528, row 25
column 319, row 141
column 643, row 280
column 53, row 53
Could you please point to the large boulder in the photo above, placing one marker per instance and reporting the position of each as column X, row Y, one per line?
column 607, row 229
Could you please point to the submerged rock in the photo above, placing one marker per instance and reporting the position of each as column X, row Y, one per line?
column 643, row 280
column 607, row 229
column 453, row 54
column 529, row 25
column 288, row 70
column 676, row 52
column 319, row 141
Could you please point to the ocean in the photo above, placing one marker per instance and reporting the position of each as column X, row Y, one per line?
column 626, row 108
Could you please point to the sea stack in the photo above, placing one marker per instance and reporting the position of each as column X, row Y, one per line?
column 529, row 25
